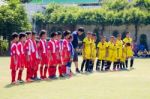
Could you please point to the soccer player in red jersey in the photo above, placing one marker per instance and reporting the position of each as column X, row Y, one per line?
column 52, row 56
column 21, row 61
column 14, row 57
column 43, row 54
column 28, row 56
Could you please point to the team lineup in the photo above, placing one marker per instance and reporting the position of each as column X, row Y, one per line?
column 46, row 57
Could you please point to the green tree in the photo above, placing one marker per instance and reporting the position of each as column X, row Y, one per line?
column 13, row 18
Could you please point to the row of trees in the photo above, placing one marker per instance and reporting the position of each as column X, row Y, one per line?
column 13, row 18
column 111, row 12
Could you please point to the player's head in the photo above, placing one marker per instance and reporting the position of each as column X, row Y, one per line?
column 28, row 34
column 59, row 35
column 103, row 39
column 22, row 36
column 67, row 34
column 43, row 34
column 80, row 30
column 115, row 40
column 94, row 36
column 112, row 39
column 53, row 35
column 128, row 34
column 34, row 35
column 89, row 34
column 119, row 36
column 15, row 37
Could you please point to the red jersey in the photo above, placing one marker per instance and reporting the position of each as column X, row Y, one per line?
column 21, row 61
column 14, row 56
column 58, row 51
column 65, row 51
column 28, row 47
column 52, row 52
column 43, row 51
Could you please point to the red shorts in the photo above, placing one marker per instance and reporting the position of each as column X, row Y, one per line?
column 28, row 63
column 21, row 62
column 13, row 65
column 44, row 59
column 53, row 61
column 58, row 58
column 34, row 60
column 66, row 57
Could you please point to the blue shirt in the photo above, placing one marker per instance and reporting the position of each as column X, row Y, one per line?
column 75, row 39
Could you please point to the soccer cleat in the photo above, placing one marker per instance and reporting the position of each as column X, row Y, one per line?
column 77, row 70
column 61, row 76
column 20, row 81
column 29, row 80
column 13, row 83
column 36, row 79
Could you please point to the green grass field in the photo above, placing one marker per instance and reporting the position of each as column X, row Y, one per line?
column 133, row 84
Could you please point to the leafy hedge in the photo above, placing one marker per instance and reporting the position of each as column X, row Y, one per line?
column 3, row 47
column 112, row 12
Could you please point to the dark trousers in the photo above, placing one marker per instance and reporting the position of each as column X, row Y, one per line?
column 108, row 65
column 82, row 65
column 122, row 64
column 99, row 64
column 87, row 65
column 131, row 62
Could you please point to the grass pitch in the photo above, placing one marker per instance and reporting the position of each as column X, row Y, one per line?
column 133, row 84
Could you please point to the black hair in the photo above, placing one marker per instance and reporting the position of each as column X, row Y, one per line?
column 53, row 34
column 93, row 34
column 28, row 32
column 42, row 32
column 127, row 33
column 81, row 29
column 59, row 33
column 34, row 33
column 14, row 35
column 21, row 35
column 66, row 33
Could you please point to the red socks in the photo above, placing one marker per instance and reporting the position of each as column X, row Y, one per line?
column 41, row 71
column 20, row 75
column 64, row 69
column 13, row 75
column 60, row 70
column 45, row 71
column 28, row 73
column 52, row 71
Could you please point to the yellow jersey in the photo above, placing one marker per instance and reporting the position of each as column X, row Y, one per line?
column 93, row 51
column 128, row 42
column 102, row 50
column 110, row 53
column 87, row 48
column 120, row 48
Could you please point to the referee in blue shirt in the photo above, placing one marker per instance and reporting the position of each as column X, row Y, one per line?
column 75, row 36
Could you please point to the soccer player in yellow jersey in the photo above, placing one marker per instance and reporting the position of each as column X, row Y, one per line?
column 101, row 54
column 115, row 61
column 129, row 49
column 110, row 53
column 119, row 43
column 93, row 52
column 86, row 51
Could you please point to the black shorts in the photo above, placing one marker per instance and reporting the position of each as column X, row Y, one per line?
column 75, row 57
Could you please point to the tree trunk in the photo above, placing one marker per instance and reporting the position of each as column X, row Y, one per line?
column 136, row 32
column 102, row 30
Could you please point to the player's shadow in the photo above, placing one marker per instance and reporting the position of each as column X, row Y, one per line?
column 21, row 84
